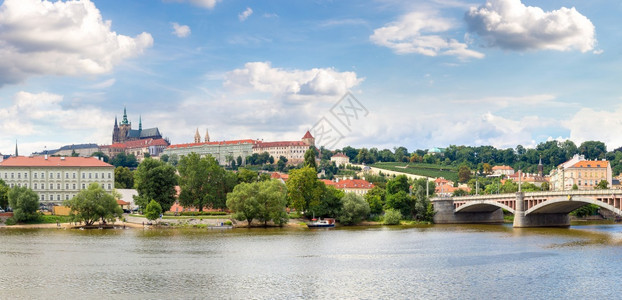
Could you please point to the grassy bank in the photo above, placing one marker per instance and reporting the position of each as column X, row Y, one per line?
column 421, row 169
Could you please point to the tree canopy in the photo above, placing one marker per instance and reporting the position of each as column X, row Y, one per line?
column 304, row 189
column 264, row 201
column 24, row 203
column 155, row 180
column 123, row 178
column 93, row 204
column 202, row 182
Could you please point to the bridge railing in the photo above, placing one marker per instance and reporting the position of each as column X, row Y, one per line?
column 532, row 194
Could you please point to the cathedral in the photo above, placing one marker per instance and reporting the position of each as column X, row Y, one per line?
column 123, row 131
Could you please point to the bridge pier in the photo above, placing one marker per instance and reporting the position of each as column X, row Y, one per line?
column 444, row 214
column 537, row 220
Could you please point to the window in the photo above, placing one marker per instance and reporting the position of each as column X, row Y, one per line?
column 102, row 175
column 74, row 175
column 51, row 186
column 74, row 186
column 19, row 175
column 58, row 175
column 51, row 175
column 66, row 186
column 109, row 187
column 58, row 197
column 95, row 176
column 42, row 197
column 66, row 175
column 83, row 175
column 83, row 186
column 66, row 196
column 109, row 175
column 58, row 186
column 12, row 175
column 25, row 175
column 33, row 174
column 89, row 175
column 42, row 175
column 43, row 186
column 35, row 186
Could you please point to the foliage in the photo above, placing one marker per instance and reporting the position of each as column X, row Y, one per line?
column 355, row 209
column 464, row 173
column 330, row 202
column 124, row 160
column 593, row 150
column 264, row 201
column 4, row 195
column 304, row 189
column 392, row 217
column 602, row 185
column 400, row 201
column 24, row 203
column 575, row 187
column 282, row 163
column 123, row 178
column 310, row 159
column 201, row 180
column 399, row 183
column 586, row 210
column 376, row 199
column 153, row 210
column 155, row 180
column 94, row 204
column 259, row 159
column 164, row 157
column 101, row 154
column 459, row 192
column 545, row 186
column 246, row 175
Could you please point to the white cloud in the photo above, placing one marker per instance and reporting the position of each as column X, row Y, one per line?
column 181, row 31
column 419, row 32
column 245, row 14
column 597, row 125
column 104, row 84
column 292, row 84
column 35, row 117
column 530, row 100
column 509, row 24
column 60, row 38
column 209, row 4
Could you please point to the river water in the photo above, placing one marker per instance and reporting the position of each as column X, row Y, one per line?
column 434, row 262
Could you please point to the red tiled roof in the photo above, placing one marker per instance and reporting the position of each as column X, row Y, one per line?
column 591, row 164
column 502, row 168
column 234, row 142
column 121, row 202
column 40, row 161
column 307, row 135
column 279, row 144
column 277, row 175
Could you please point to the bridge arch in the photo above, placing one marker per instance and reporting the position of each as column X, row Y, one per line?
column 483, row 206
column 567, row 204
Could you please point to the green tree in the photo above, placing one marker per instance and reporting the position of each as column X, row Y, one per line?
column 401, row 201
column 304, row 189
column 593, row 149
column 602, row 185
column 575, row 187
column 397, row 184
column 364, row 157
column 330, row 202
column 155, row 180
column 200, row 180
column 264, row 201
column 4, row 195
column 93, row 204
column 464, row 173
column 375, row 198
column 153, row 210
column 24, row 203
column 239, row 160
column 164, row 157
column 282, row 163
column 545, row 186
column 355, row 209
column 101, row 154
column 123, row 178
column 246, row 175
column 173, row 159
column 124, row 160
column 392, row 217
column 310, row 159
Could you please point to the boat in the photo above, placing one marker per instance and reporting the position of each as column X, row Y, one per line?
column 321, row 223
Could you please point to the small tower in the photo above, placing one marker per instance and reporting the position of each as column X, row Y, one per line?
column 124, row 127
column 140, row 123
column 206, row 136
column 308, row 139
column 540, row 167
column 115, row 131
column 16, row 153
column 197, row 136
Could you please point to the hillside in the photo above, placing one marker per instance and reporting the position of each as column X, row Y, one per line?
column 422, row 169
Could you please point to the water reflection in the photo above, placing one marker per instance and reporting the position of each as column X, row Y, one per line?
column 442, row 261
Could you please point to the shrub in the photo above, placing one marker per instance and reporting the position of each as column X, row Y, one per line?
column 10, row 221
column 203, row 213
column 228, row 223
column 392, row 217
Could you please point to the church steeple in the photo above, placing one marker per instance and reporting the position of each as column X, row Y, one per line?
column 540, row 167
column 115, row 121
column 125, row 121
column 206, row 136
column 197, row 137
column 140, row 123
column 16, row 153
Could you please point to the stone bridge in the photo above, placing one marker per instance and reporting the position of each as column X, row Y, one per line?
column 535, row 209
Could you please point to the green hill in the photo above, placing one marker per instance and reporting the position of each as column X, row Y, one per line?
column 422, row 169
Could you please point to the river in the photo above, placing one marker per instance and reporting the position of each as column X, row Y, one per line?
column 433, row 262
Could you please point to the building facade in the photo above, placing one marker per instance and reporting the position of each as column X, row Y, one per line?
column 356, row 186
column 586, row 174
column 502, row 170
column 56, row 179
column 294, row 151
column 138, row 148
column 222, row 151
column 340, row 159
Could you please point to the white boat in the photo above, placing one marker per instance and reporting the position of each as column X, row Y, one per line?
column 321, row 223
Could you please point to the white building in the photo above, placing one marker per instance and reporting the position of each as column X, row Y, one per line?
column 56, row 179
column 294, row 151
column 221, row 151
column 502, row 170
column 340, row 159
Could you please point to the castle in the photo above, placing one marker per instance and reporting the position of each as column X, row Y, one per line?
column 123, row 132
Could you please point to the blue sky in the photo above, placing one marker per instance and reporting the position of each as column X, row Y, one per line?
column 428, row 73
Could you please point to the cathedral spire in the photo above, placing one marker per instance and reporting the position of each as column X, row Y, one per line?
column 115, row 121
column 16, row 153
column 125, row 121
column 206, row 136
column 140, row 123
column 197, row 137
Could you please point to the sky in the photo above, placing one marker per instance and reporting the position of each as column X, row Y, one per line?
column 384, row 73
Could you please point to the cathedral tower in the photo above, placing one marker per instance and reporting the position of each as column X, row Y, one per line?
column 197, row 137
